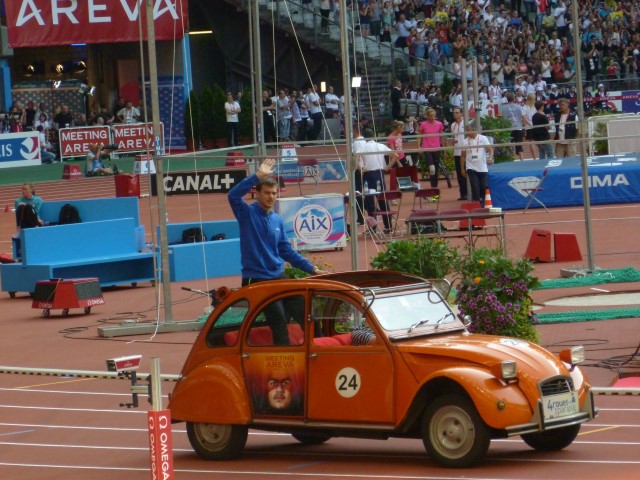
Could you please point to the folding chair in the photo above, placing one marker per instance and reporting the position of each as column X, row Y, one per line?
column 532, row 192
column 308, row 168
column 374, row 230
column 429, row 195
column 393, row 211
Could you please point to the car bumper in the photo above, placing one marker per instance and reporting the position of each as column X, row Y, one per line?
column 539, row 423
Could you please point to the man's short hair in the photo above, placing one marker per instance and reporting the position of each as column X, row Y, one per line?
column 368, row 133
column 563, row 101
column 539, row 104
column 267, row 181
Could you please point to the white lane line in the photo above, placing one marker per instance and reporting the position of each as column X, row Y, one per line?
column 60, row 409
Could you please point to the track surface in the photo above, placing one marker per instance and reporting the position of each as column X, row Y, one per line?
column 73, row 428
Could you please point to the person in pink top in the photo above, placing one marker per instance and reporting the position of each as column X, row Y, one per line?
column 430, row 137
column 404, row 165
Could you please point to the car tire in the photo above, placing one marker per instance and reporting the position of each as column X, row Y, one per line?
column 310, row 438
column 213, row 441
column 453, row 432
column 552, row 440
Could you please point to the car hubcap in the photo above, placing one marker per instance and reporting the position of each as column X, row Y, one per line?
column 453, row 432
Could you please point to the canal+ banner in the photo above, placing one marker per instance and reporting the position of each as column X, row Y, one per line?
column 34, row 23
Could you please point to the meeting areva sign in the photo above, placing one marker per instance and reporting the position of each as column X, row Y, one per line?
column 33, row 23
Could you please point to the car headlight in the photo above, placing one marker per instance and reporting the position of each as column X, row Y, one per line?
column 505, row 370
column 573, row 355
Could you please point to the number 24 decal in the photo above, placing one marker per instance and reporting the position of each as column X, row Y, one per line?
column 348, row 382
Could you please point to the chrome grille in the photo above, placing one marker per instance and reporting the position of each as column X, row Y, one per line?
column 556, row 386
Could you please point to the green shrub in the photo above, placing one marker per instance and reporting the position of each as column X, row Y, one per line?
column 489, row 127
column 426, row 257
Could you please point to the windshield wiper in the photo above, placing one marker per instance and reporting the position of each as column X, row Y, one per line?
column 422, row 322
column 450, row 314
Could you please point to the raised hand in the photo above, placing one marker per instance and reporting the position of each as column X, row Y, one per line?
column 266, row 168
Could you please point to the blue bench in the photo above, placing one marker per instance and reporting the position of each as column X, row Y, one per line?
column 106, row 249
column 210, row 259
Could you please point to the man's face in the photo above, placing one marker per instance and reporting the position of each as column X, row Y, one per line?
column 279, row 392
column 267, row 196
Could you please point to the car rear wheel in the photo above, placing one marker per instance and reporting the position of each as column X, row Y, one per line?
column 310, row 439
column 453, row 432
column 215, row 441
column 552, row 440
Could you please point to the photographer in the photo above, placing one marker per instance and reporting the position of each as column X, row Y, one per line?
column 95, row 166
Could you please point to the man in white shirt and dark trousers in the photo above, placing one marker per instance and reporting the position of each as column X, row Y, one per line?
column 476, row 157
column 232, row 109
column 372, row 163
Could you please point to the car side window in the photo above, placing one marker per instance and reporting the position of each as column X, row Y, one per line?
column 225, row 330
column 280, row 323
column 337, row 319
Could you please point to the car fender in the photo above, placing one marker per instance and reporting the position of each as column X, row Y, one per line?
column 212, row 392
column 500, row 404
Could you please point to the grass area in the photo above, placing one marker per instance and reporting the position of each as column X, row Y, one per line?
column 49, row 173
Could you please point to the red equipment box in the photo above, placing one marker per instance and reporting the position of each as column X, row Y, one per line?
column 235, row 159
column 59, row 293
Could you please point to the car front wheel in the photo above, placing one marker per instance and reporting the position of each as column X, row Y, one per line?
column 552, row 440
column 215, row 441
column 453, row 432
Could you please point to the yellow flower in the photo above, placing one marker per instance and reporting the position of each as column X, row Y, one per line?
column 477, row 280
column 481, row 262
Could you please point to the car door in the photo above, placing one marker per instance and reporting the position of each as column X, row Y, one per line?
column 346, row 382
column 274, row 358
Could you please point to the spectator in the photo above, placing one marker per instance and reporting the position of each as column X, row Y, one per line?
column 529, row 109
column 95, row 166
column 27, row 208
column 540, row 132
column 315, row 112
column 232, row 109
column 566, row 130
column 372, row 163
column 46, row 150
column 64, row 118
column 395, row 97
column 128, row 114
column 268, row 120
column 28, row 116
column 475, row 160
column 331, row 103
column 513, row 113
column 429, row 137
column 119, row 105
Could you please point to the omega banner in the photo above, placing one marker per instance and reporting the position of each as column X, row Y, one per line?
column 211, row 181
column 34, row 23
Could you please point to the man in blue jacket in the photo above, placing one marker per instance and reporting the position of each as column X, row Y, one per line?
column 264, row 247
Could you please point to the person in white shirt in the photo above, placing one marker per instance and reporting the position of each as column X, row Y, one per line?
column 457, row 132
column 373, row 165
column 331, row 103
column 232, row 109
column 315, row 112
column 129, row 114
column 475, row 160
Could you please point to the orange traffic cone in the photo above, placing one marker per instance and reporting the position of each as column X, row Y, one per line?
column 487, row 199
column 6, row 208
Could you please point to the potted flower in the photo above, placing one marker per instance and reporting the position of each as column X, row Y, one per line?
column 495, row 292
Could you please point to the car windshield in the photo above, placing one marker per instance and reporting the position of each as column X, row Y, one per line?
column 413, row 311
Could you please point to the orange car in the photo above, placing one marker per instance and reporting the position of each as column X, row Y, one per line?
column 373, row 355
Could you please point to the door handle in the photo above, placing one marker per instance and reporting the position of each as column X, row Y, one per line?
column 313, row 356
column 245, row 355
